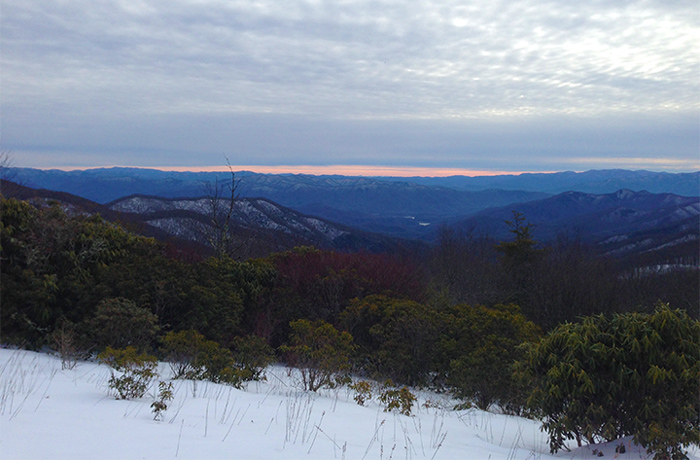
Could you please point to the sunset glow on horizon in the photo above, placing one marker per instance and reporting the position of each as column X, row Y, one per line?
column 343, row 170
column 349, row 170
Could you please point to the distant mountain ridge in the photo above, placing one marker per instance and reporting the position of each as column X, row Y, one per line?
column 398, row 208
column 594, row 181
column 260, row 225
column 617, row 222
column 621, row 223
column 118, row 182
column 183, row 217
column 402, row 207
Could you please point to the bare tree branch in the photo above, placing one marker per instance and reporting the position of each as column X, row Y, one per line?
column 7, row 174
column 222, row 197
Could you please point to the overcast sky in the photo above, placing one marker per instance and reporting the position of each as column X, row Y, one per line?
column 481, row 85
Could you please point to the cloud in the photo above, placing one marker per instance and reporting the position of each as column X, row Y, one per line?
column 94, row 74
column 545, row 143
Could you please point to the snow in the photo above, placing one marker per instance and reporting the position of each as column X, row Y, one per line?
column 270, row 208
column 50, row 413
column 329, row 231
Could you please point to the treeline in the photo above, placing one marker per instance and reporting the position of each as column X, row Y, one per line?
column 455, row 317
column 100, row 286
column 555, row 283
column 57, row 268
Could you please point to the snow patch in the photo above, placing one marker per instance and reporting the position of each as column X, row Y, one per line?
column 47, row 412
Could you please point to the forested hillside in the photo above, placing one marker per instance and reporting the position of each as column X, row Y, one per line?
column 254, row 227
column 452, row 317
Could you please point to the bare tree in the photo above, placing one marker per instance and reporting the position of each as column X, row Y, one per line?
column 221, row 203
column 7, row 173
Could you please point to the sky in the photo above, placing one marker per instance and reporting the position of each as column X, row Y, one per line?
column 481, row 86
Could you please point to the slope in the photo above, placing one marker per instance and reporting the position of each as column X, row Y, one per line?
column 623, row 221
column 261, row 226
column 68, row 414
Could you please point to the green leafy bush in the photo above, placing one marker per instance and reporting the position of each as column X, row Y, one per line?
column 319, row 351
column 632, row 374
column 217, row 365
column 137, row 371
column 191, row 356
column 183, row 351
column 396, row 338
column 399, row 399
column 56, row 266
column 252, row 355
column 120, row 323
column 479, row 348
column 363, row 392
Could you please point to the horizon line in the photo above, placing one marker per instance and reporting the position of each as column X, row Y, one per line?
column 341, row 170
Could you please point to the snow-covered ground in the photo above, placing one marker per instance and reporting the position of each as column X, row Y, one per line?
column 50, row 413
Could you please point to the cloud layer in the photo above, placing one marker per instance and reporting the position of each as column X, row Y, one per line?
column 354, row 82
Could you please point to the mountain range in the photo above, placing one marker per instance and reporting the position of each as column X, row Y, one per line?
column 259, row 225
column 402, row 207
column 619, row 222
column 272, row 226
column 117, row 182
column 593, row 181
column 352, row 213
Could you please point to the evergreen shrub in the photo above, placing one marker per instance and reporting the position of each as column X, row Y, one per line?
column 631, row 374
column 191, row 356
column 363, row 392
column 136, row 371
column 120, row 323
column 396, row 338
column 320, row 352
column 479, row 348
column 399, row 399
column 252, row 355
